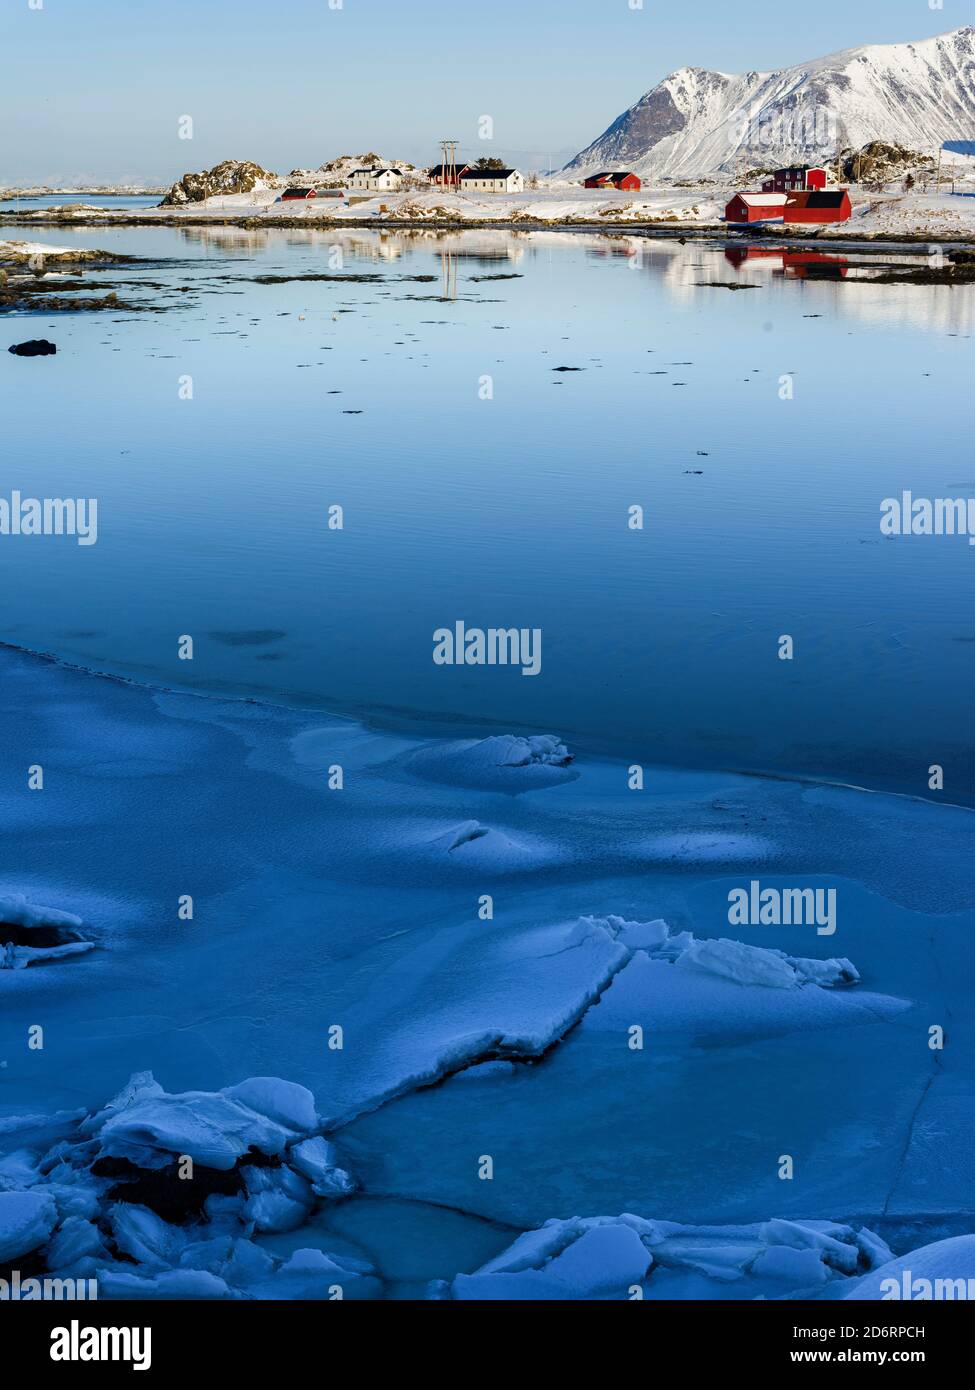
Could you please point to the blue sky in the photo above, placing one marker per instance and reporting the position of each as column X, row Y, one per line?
column 94, row 89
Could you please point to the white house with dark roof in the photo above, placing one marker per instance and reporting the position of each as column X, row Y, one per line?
column 377, row 180
column 492, row 181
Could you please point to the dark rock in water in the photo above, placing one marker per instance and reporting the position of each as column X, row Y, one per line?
column 37, row 347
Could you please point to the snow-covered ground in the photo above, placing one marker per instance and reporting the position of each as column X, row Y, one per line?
column 889, row 214
column 296, row 962
column 913, row 214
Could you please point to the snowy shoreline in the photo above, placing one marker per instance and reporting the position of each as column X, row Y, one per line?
column 913, row 241
column 878, row 219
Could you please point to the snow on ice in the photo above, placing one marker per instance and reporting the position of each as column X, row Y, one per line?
column 627, row 1257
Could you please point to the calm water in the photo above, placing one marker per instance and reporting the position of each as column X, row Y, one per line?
column 761, row 514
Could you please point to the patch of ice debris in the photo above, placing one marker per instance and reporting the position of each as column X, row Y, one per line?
column 676, row 982
column 503, row 762
column 30, row 934
column 732, row 960
column 26, row 1221
column 113, row 1196
column 626, row 1257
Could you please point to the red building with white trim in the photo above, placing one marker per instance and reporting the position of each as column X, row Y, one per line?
column 748, row 209
column 797, row 177
column 625, row 182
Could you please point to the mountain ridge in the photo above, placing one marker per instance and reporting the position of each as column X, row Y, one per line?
column 699, row 121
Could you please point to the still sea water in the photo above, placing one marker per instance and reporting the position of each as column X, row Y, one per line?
column 412, row 380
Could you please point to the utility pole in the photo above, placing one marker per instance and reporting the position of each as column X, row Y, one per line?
column 448, row 166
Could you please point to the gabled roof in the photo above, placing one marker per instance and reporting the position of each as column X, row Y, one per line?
column 488, row 173
column 615, row 174
column 762, row 200
column 805, row 198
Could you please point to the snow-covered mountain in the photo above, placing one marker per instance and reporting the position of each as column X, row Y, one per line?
column 697, row 122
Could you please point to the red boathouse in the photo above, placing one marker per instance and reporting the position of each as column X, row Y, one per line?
column 748, row 209
column 830, row 205
column 625, row 182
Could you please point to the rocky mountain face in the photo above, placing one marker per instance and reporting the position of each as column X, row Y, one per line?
column 230, row 176
column 699, row 123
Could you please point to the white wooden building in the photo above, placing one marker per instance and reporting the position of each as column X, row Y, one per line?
column 492, row 181
column 377, row 180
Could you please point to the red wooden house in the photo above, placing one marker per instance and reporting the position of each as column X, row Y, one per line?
column 625, row 182
column 830, row 205
column 747, row 209
column 797, row 177
column 446, row 177
column 290, row 194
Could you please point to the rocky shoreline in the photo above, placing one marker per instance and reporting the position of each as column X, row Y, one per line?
column 28, row 284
